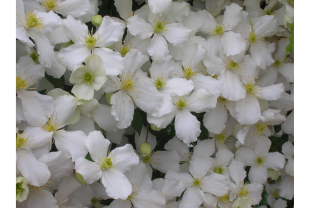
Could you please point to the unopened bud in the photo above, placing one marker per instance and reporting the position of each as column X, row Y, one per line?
column 107, row 97
column 96, row 20
column 155, row 128
column 274, row 175
column 145, row 149
column 79, row 177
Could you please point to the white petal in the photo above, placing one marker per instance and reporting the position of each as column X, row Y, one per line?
column 256, row 190
column 191, row 198
column 246, row 155
column 204, row 148
column 158, row 48
column 110, row 31
column 215, row 65
column 124, row 158
column 73, row 7
column 159, row 6
column 266, row 26
column 64, row 108
column 162, row 121
column 201, row 100
column 287, row 70
column 32, row 102
column 72, row 142
column 286, row 188
column 133, row 61
column 166, row 106
column 97, row 146
column 45, row 49
column 233, row 88
column 138, row 27
column 139, row 139
column 212, row 85
column 288, row 125
column 199, row 166
column 176, row 34
column 124, row 8
column 261, row 55
column 113, row 63
column 215, row 184
column 275, row 161
column 248, row 110
column 36, row 172
column 122, row 109
column 187, row 127
column 66, row 187
column 91, row 171
column 232, row 43
column 178, row 86
column 166, row 160
column 209, row 22
column 59, row 163
column 149, row 198
column 38, row 137
column 232, row 16
column 237, row 172
column 103, row 117
column 272, row 92
column 269, row 77
column 118, row 203
column 215, row 119
column 180, row 147
column 75, row 30
column 258, row 174
column 83, row 91
column 116, row 183
column 74, row 55
column 185, row 178
column 224, row 157
column 42, row 198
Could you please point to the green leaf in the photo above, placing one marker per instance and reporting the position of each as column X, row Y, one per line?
column 58, row 83
column 290, row 46
column 204, row 133
column 277, row 128
column 88, row 157
column 137, row 122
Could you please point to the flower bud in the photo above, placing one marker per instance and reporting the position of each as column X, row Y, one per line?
column 107, row 97
column 22, row 189
column 96, row 20
column 145, row 149
column 274, row 175
column 155, row 128
column 79, row 177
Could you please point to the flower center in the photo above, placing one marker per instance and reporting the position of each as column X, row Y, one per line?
column 224, row 198
column 259, row 160
column 49, row 126
column 147, row 159
column 159, row 26
column 35, row 57
column 250, row 87
column 219, row 170
column 221, row 138
column 128, row 84
column 106, row 164
column 181, row 104
column 222, row 100
column 244, row 192
column 21, row 83
column 21, row 140
column 196, row 182
column 159, row 83
column 50, row 4
column 232, row 65
column 88, row 78
column 218, row 30
column 268, row 12
column 124, row 50
column 252, row 37
column 188, row 72
column 91, row 40
column 260, row 128
column 275, row 194
column 277, row 63
column 33, row 21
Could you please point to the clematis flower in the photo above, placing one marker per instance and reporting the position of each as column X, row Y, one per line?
column 110, row 168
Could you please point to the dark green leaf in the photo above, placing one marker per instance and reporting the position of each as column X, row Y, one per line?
column 290, row 46
column 58, row 83
column 137, row 122
column 204, row 133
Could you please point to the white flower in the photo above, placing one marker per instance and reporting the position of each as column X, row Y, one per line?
column 88, row 78
column 110, row 168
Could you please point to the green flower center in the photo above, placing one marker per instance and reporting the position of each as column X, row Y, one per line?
column 33, row 21
column 252, row 37
column 106, row 164
column 181, row 104
column 221, row 138
column 218, row 30
column 222, row 100
column 224, row 198
column 50, row 4
column 196, row 182
column 260, row 128
column 19, row 187
column 277, row 63
column 219, row 170
column 188, row 72
column 259, row 160
column 88, row 78
column 124, row 50
column 159, row 26
column 232, row 65
column 49, row 126
column 147, row 159
column 159, row 83
column 244, row 192
column 250, row 87
column 268, row 12
column 21, row 140
column 35, row 57
column 275, row 194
